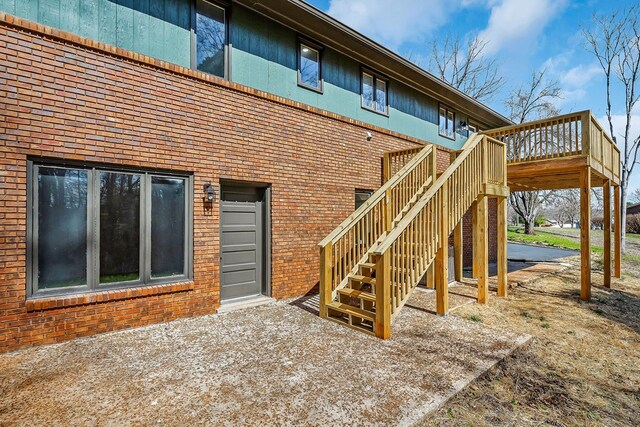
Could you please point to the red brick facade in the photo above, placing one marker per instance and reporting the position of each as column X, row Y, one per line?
column 62, row 97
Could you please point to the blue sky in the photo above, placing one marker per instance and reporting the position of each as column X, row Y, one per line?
column 522, row 35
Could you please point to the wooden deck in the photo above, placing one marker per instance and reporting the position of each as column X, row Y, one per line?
column 550, row 154
column 569, row 151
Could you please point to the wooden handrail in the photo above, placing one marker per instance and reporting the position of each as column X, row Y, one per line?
column 348, row 245
column 376, row 197
column 393, row 161
column 406, row 252
column 470, row 145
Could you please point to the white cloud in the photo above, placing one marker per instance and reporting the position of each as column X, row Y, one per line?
column 392, row 23
column 514, row 25
column 580, row 75
column 574, row 80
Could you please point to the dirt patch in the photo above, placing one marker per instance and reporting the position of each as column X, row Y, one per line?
column 582, row 368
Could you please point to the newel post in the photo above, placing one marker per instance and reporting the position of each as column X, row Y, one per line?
column 326, row 265
column 586, row 133
column 383, row 296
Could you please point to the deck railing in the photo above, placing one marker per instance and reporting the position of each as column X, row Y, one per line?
column 393, row 161
column 345, row 247
column 569, row 135
column 408, row 250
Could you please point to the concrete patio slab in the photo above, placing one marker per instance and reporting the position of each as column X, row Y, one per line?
column 277, row 364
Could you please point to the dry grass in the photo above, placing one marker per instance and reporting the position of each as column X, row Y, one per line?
column 581, row 369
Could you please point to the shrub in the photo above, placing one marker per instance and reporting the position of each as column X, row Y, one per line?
column 633, row 224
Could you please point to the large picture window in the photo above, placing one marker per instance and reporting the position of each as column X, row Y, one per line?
column 374, row 93
column 210, row 38
column 94, row 229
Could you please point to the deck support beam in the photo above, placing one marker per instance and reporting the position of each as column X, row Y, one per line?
column 382, row 327
column 617, row 231
column 457, row 251
column 325, row 279
column 585, row 234
column 502, row 247
column 606, row 195
column 442, row 257
column 474, row 238
column 481, row 258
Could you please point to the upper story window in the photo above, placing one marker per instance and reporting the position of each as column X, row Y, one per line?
column 210, row 38
column 374, row 92
column 446, row 123
column 94, row 229
column 309, row 66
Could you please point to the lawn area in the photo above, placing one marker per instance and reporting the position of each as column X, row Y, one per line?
column 569, row 238
column 580, row 369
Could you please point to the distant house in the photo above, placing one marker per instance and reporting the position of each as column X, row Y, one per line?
column 633, row 209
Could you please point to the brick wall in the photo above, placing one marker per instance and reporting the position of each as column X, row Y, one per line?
column 63, row 97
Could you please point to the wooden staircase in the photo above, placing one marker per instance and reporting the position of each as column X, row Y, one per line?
column 373, row 261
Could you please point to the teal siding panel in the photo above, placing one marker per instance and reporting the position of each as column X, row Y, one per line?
column 250, row 70
column 27, row 9
column 177, row 37
column 89, row 21
column 8, row 6
column 70, row 15
column 141, row 27
column 49, row 13
column 156, row 21
column 107, row 22
column 124, row 24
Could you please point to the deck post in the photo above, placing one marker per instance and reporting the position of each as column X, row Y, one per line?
column 430, row 276
column 325, row 278
column 585, row 233
column 617, row 231
column 457, row 238
column 502, row 247
column 442, row 258
column 383, row 296
column 474, row 238
column 606, row 194
column 482, row 244
column 457, row 251
column 386, row 167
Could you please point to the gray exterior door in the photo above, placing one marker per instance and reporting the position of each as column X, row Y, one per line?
column 242, row 238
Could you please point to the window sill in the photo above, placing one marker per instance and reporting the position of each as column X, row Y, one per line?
column 319, row 90
column 49, row 303
column 450, row 138
column 373, row 110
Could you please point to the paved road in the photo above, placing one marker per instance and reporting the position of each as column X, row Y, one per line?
column 516, row 251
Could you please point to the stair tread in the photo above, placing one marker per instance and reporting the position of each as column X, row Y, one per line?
column 368, row 265
column 355, row 311
column 357, row 294
column 363, row 279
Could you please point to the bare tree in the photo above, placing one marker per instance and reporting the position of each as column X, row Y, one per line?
column 614, row 40
column 531, row 102
column 635, row 196
column 567, row 207
column 465, row 67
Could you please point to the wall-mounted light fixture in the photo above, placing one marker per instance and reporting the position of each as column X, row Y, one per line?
column 369, row 136
column 209, row 192
column 463, row 125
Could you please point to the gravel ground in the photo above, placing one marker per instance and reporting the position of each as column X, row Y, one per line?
column 277, row 364
column 581, row 368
